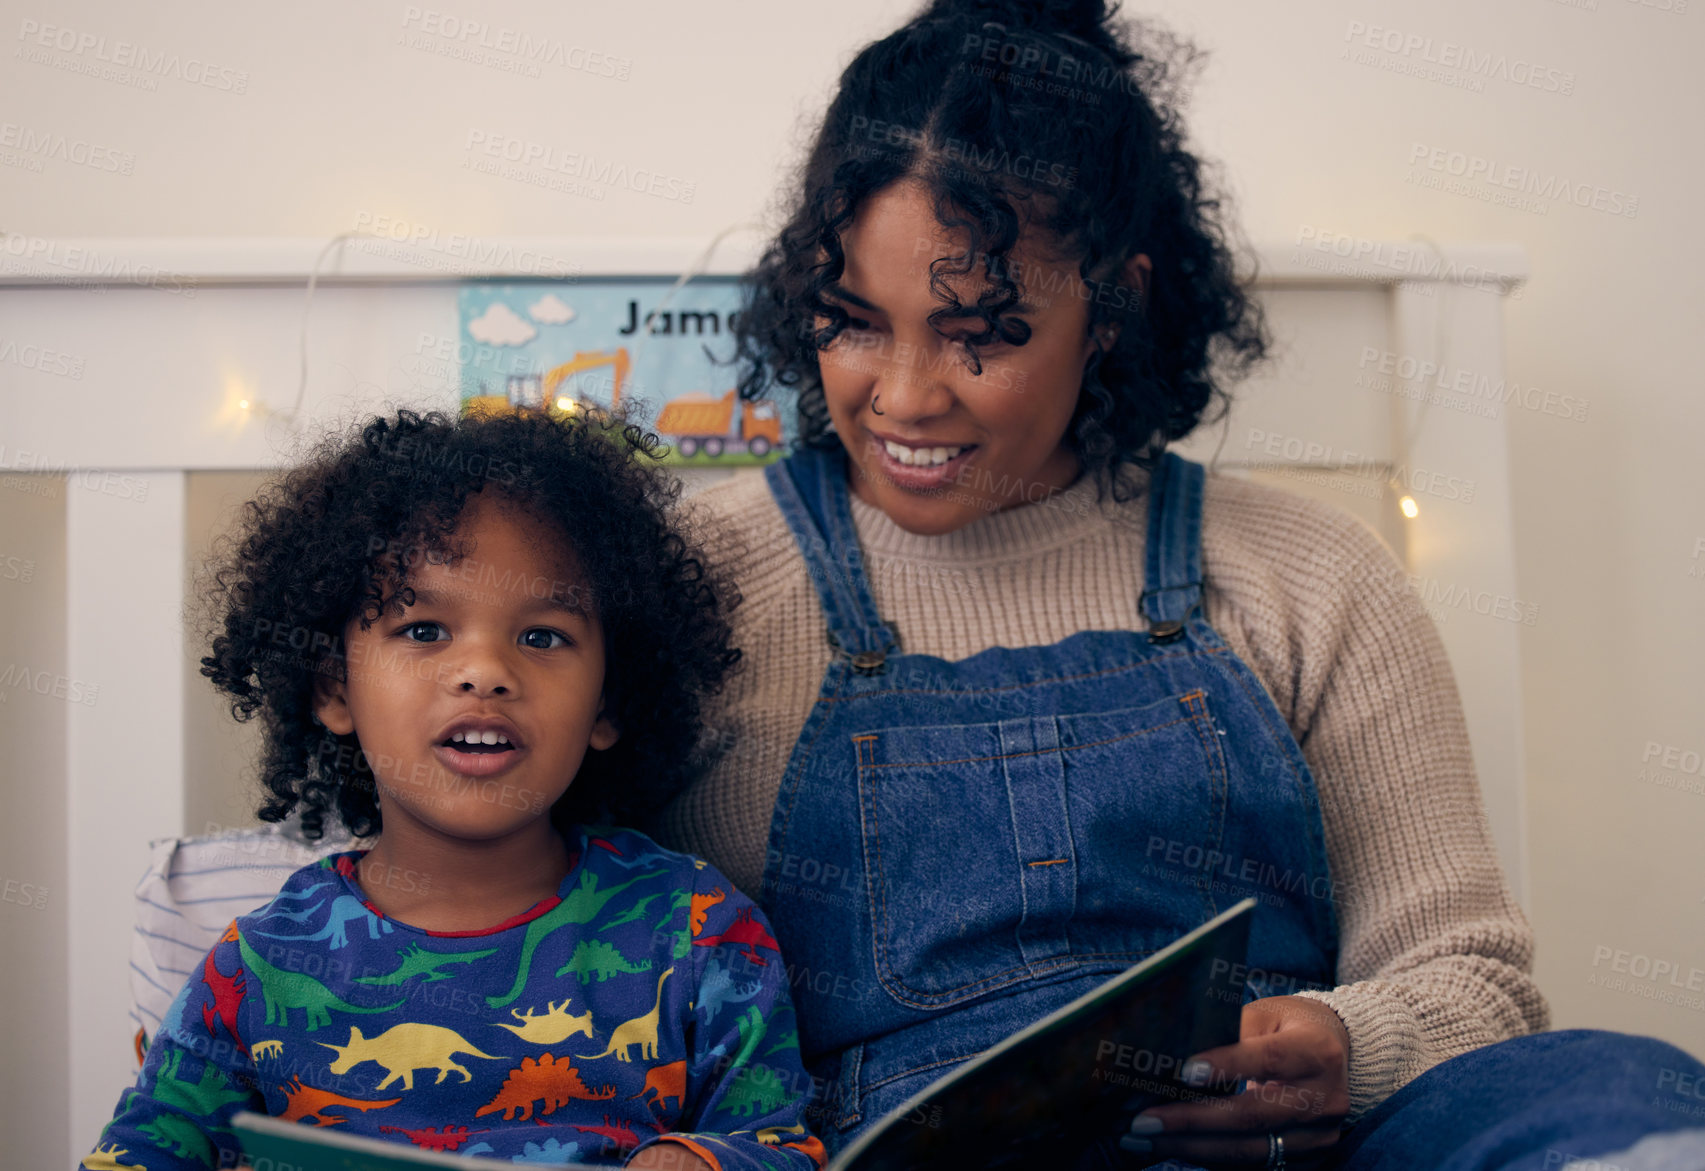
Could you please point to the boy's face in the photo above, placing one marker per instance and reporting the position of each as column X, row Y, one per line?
column 502, row 645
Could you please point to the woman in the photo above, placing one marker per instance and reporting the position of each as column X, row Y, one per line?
column 1027, row 697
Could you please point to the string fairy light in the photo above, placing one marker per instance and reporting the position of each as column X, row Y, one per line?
column 1410, row 431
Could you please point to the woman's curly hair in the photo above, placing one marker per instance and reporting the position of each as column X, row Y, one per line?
column 317, row 549
column 1007, row 112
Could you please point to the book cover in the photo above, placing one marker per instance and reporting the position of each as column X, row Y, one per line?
column 1050, row 1093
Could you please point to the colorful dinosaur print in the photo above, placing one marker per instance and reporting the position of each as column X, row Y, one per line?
column 750, row 1027
column 771, row 1135
column 346, row 909
column 621, row 1134
column 373, row 988
column 227, row 993
column 283, row 991
column 206, row 1095
column 106, row 1158
column 311, row 1102
column 418, row 961
column 554, row 1082
column 641, row 1031
column 431, row 1140
column 556, row 1025
column 594, row 957
column 301, row 916
column 666, row 1081
column 789, row 1040
column 404, row 1048
column 755, row 1088
column 552, row 1152
column 702, row 905
column 581, row 906
column 634, row 913
column 812, row 1148
column 746, row 932
column 288, row 896
column 628, row 863
column 717, row 989
column 179, row 1135
column 679, row 901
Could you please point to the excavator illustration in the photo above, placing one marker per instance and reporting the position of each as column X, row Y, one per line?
column 546, row 392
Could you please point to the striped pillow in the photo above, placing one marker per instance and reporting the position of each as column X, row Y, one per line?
column 194, row 887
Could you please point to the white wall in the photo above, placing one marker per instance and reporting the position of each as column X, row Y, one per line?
column 342, row 120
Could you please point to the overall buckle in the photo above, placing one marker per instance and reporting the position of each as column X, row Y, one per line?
column 1162, row 633
column 1170, row 629
column 867, row 662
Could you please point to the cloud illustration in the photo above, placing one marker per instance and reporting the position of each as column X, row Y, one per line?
column 550, row 310
column 500, row 325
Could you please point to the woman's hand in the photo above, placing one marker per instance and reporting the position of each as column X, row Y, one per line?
column 1295, row 1053
column 668, row 1157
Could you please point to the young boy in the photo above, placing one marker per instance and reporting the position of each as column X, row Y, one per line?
column 480, row 645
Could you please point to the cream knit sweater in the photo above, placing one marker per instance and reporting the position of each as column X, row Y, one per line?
column 1435, row 956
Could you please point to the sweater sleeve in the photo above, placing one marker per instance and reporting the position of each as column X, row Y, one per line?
column 1435, row 956
column 196, row 1075
column 747, row 1090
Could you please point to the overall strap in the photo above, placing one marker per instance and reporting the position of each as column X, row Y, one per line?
column 1172, row 576
column 810, row 487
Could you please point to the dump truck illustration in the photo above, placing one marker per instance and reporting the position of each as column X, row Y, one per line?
column 699, row 422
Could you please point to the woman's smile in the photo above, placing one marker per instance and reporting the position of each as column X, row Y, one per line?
column 919, row 467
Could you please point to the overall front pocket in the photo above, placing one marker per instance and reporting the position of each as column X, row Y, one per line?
column 1000, row 852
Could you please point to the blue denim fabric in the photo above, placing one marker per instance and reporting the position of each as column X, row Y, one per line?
column 1538, row 1103
column 1675, row 1150
column 958, row 848
column 1571, row 1100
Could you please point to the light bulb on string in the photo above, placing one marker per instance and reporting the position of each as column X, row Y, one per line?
column 1406, row 503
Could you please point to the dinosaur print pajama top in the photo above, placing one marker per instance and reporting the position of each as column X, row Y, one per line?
column 647, row 997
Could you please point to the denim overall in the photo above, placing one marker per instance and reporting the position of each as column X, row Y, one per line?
column 958, row 848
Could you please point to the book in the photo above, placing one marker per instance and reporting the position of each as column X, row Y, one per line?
column 1065, row 1086
column 1050, row 1095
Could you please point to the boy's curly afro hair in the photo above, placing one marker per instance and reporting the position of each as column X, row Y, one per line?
column 1012, row 112
column 315, row 550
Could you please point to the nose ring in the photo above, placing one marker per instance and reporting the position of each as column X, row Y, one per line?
column 873, row 402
